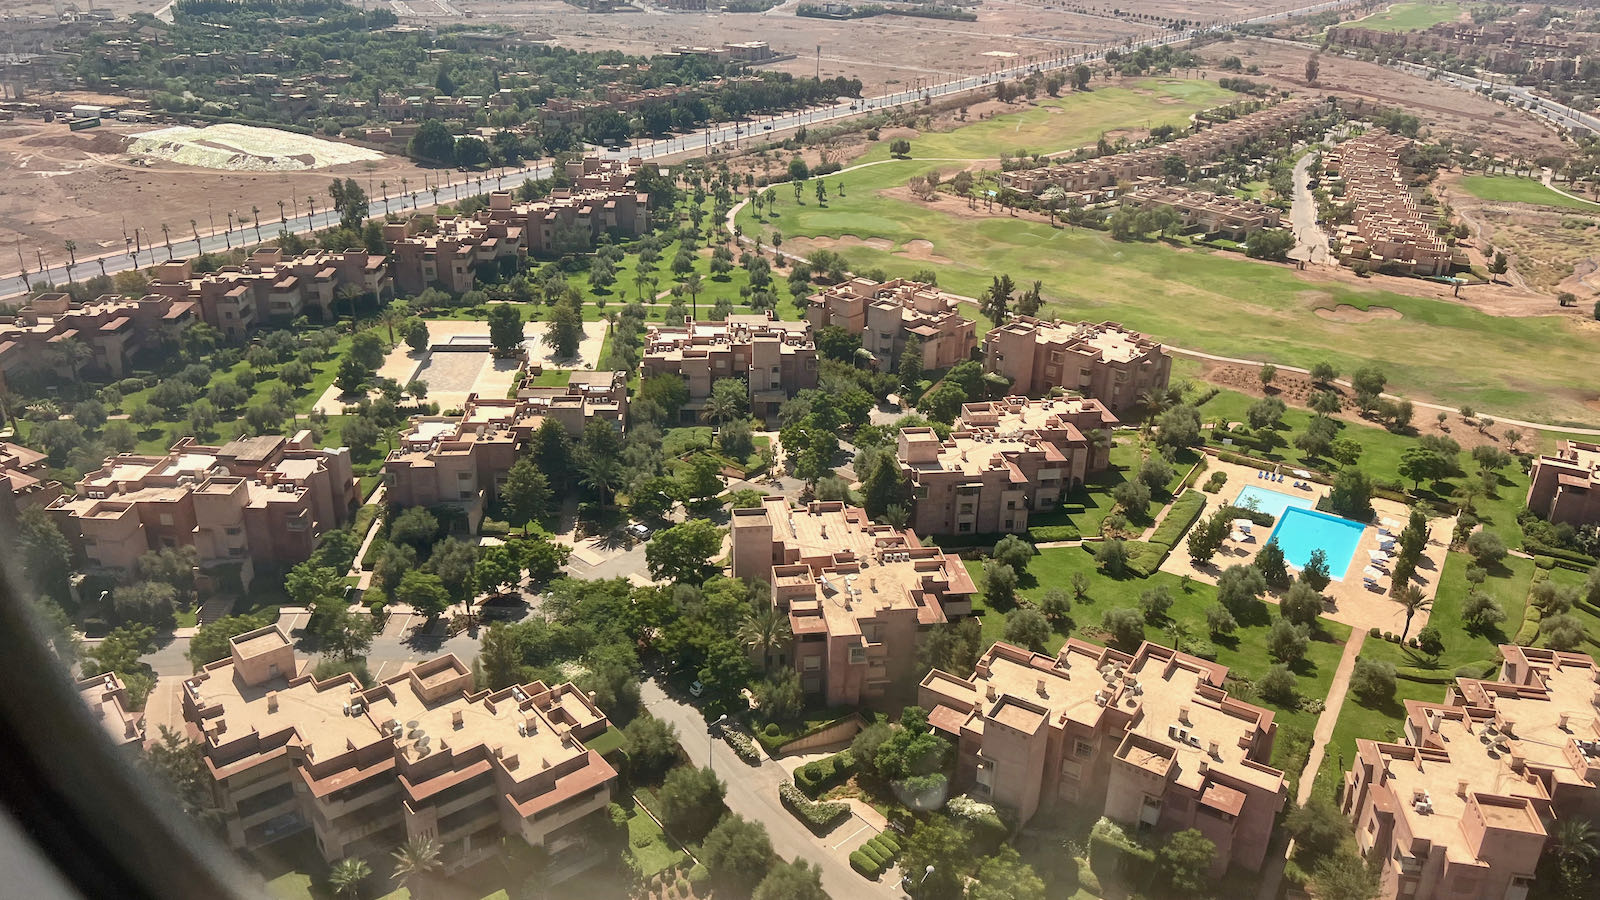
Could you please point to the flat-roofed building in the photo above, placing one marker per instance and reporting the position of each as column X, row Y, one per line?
column 24, row 480
column 463, row 460
column 1565, row 485
column 1387, row 231
column 1214, row 215
column 1150, row 739
column 113, row 328
column 1105, row 361
column 421, row 755
column 261, row 499
column 271, row 286
column 888, row 315
column 775, row 359
column 1004, row 460
column 448, row 252
column 859, row 595
column 107, row 699
column 1465, row 806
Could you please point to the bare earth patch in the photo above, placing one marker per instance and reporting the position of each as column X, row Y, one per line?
column 922, row 251
column 1344, row 312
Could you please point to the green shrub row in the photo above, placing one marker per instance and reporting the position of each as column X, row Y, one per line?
column 1145, row 557
column 875, row 856
column 1265, row 520
column 1042, row 533
column 743, row 745
column 1180, row 516
column 1195, row 471
column 819, row 817
column 815, row 777
column 773, row 740
column 1583, row 560
column 1531, row 615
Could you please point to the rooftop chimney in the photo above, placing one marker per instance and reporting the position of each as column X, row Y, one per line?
column 1039, row 686
column 272, row 701
column 1215, row 750
column 1461, row 788
column 457, row 718
column 991, row 692
column 1561, row 721
column 1183, row 714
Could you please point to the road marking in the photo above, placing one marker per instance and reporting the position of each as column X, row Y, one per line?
column 381, row 668
column 865, row 826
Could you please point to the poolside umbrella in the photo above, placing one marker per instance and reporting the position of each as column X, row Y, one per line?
column 1371, row 573
column 1388, row 523
column 1378, row 555
column 1242, row 524
column 1301, row 473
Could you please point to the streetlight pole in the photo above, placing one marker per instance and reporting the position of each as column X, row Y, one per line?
column 711, row 733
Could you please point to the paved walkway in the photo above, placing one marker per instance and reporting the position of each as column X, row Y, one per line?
column 753, row 793
column 1330, row 713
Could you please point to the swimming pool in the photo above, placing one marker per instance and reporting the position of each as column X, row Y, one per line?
column 1273, row 503
column 1300, row 531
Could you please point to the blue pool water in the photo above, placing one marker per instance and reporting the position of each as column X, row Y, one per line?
column 1273, row 503
column 1300, row 531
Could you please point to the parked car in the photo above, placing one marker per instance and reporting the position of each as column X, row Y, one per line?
column 697, row 689
column 503, row 606
column 640, row 531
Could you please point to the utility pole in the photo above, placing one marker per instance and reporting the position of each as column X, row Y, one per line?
column 819, row 62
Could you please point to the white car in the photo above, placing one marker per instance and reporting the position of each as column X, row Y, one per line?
column 697, row 689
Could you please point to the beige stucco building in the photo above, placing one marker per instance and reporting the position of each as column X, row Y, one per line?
column 1004, row 459
column 1565, row 485
column 1464, row 807
column 24, row 480
column 775, row 359
column 1108, row 362
column 107, row 699
column 1150, row 740
column 272, row 286
column 422, row 755
column 1387, row 231
column 113, row 328
column 859, row 595
column 254, row 500
column 887, row 315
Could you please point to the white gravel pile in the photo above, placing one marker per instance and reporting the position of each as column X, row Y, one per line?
column 246, row 148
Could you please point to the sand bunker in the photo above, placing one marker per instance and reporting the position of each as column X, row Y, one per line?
column 1344, row 312
column 245, row 148
column 850, row 240
column 923, row 251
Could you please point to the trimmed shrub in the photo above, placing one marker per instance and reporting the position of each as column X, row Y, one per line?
column 1180, row 516
column 819, row 817
column 815, row 777
column 1087, row 879
column 743, row 745
column 1042, row 533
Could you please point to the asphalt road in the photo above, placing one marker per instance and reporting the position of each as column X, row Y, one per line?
column 704, row 142
column 1311, row 241
column 753, row 793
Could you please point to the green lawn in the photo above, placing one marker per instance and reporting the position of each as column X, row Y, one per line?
column 1512, row 189
column 648, row 844
column 1212, row 301
column 1244, row 652
column 1381, row 452
column 1411, row 16
column 1507, row 583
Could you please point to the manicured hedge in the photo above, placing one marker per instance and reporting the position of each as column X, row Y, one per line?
column 1265, row 520
column 1531, row 615
column 743, row 745
column 819, row 817
column 1180, row 516
column 875, row 856
column 1144, row 558
column 815, row 777
column 1042, row 533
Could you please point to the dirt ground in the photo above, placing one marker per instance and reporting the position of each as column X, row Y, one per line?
column 1551, row 250
column 57, row 185
column 1466, row 118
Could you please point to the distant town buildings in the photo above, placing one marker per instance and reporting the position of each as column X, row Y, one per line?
column 1565, row 485
column 729, row 52
column 1096, row 179
column 1215, row 215
column 462, row 460
column 1003, row 461
column 422, row 755
column 24, row 481
column 776, row 359
column 1107, row 362
column 272, row 287
column 114, row 329
column 1151, row 739
column 859, row 595
column 1386, row 232
column 254, row 500
column 888, row 315
column 1466, row 806
column 1516, row 45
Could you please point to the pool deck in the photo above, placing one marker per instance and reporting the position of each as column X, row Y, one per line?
column 1350, row 602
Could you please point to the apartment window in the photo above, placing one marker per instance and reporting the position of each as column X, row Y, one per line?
column 812, row 663
column 1082, row 748
column 966, row 509
column 1011, row 504
column 1008, row 525
column 463, row 476
column 232, row 532
column 858, row 655
column 966, row 527
column 885, row 336
column 166, row 518
column 775, row 370
column 295, row 525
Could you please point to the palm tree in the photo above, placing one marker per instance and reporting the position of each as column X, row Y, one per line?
column 255, row 214
column 1575, row 844
column 693, row 285
column 74, row 353
column 600, row 474
column 390, row 316
column 1412, row 601
column 72, row 258
column 166, row 234
column 896, row 516
column 766, row 631
column 194, row 228
column 384, row 186
column 417, row 858
column 347, row 876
